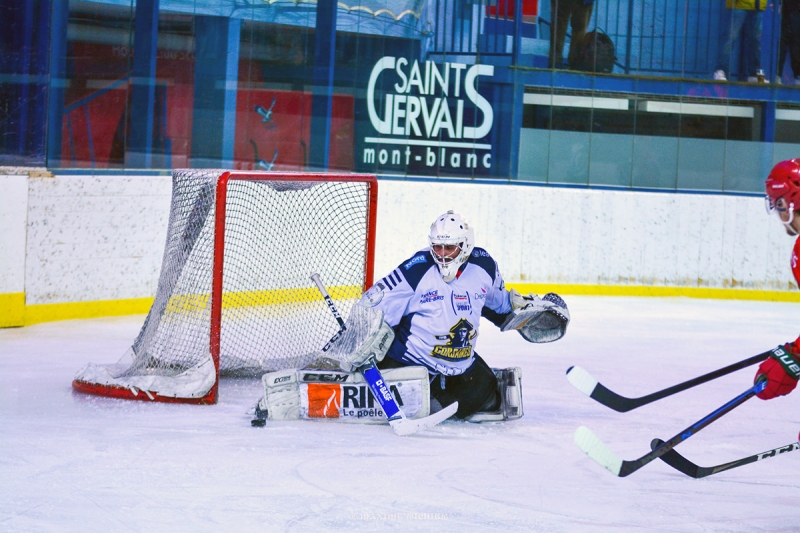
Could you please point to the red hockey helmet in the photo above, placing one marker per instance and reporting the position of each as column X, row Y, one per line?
column 783, row 191
column 784, row 182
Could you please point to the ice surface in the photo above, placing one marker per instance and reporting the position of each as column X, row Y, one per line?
column 70, row 462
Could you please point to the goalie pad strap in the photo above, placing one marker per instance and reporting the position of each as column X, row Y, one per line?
column 307, row 393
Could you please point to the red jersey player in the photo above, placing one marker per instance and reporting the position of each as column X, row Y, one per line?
column 782, row 368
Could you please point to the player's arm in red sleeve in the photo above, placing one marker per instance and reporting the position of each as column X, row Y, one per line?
column 781, row 369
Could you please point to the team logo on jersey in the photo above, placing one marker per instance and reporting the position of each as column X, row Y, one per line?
column 414, row 261
column 374, row 295
column 457, row 347
column 461, row 303
column 430, row 296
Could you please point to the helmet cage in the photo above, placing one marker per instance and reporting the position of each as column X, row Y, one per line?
column 785, row 211
column 783, row 192
column 451, row 229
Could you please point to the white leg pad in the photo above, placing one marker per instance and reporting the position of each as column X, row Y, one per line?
column 333, row 394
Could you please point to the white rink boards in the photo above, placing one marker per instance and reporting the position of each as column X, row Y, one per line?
column 101, row 238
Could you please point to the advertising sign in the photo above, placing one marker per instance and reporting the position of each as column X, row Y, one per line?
column 425, row 118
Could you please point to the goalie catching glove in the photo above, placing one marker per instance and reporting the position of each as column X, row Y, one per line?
column 537, row 319
column 366, row 336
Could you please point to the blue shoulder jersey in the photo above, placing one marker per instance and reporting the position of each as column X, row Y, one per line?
column 436, row 324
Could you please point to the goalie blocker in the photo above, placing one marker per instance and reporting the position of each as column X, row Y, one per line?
column 333, row 394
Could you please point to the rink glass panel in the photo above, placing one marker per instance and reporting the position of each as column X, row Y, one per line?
column 273, row 84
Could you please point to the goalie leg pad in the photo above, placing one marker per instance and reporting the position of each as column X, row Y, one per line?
column 509, row 387
column 310, row 393
column 281, row 399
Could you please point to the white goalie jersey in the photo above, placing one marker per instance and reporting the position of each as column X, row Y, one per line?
column 437, row 324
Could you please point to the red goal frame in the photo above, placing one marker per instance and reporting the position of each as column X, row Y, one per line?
column 212, row 396
column 219, row 240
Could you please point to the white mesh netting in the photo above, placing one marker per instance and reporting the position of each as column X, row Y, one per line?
column 276, row 234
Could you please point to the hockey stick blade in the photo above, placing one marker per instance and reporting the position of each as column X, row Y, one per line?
column 584, row 382
column 602, row 455
column 407, row 426
column 685, row 466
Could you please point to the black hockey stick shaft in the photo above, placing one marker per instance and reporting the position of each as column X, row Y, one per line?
column 599, row 452
column 682, row 464
column 328, row 300
column 629, row 467
column 622, row 404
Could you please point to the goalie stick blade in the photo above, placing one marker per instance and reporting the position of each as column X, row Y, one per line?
column 407, row 426
column 685, row 466
column 599, row 452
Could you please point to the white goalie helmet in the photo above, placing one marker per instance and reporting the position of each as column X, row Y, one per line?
column 451, row 229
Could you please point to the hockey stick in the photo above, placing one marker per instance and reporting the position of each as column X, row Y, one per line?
column 599, row 452
column 584, row 382
column 682, row 464
column 400, row 424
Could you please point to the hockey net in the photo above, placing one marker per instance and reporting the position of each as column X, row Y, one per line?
column 234, row 295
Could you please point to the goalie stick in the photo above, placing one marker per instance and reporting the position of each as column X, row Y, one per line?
column 599, row 452
column 584, row 382
column 685, row 466
column 400, row 424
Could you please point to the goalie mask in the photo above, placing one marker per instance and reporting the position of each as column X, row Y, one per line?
column 783, row 192
column 451, row 241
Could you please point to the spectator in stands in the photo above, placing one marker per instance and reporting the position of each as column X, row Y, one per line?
column 790, row 38
column 563, row 13
column 742, row 17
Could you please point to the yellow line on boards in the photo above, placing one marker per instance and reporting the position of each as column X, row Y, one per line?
column 12, row 309
column 38, row 313
column 658, row 291
column 243, row 299
column 14, row 312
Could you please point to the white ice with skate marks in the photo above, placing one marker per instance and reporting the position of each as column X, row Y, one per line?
column 71, row 462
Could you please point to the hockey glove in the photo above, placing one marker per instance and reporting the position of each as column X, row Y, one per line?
column 537, row 319
column 367, row 337
column 781, row 369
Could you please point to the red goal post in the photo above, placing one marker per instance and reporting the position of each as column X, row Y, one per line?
column 239, row 252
